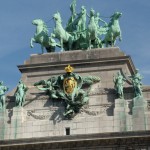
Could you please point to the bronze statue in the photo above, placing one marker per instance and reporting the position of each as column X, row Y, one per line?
column 119, row 82
column 137, row 84
column 20, row 94
column 68, row 87
column 77, row 35
column 3, row 89
column 41, row 36
column 114, row 31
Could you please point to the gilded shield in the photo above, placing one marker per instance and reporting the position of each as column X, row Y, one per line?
column 69, row 85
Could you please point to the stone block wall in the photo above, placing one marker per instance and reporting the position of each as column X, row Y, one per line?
column 42, row 117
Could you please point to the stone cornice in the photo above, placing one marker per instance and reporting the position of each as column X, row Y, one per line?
column 77, row 141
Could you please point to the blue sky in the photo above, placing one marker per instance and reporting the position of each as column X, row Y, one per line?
column 16, row 30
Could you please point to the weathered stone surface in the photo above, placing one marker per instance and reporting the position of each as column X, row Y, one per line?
column 2, row 124
column 139, row 114
column 78, row 55
column 41, row 116
column 102, row 141
column 119, row 115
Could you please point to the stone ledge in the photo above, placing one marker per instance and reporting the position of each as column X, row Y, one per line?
column 76, row 141
column 75, row 55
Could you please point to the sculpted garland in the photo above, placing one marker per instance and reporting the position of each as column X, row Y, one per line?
column 76, row 35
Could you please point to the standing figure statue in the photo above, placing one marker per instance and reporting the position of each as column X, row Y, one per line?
column 92, row 32
column 137, row 84
column 73, row 8
column 80, row 22
column 98, row 19
column 3, row 89
column 69, row 26
column 119, row 82
column 20, row 94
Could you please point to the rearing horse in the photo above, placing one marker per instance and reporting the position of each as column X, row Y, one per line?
column 61, row 34
column 113, row 30
column 92, row 31
column 41, row 36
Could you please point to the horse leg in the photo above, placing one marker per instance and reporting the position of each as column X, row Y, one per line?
column 112, row 40
column 61, row 43
column 31, row 42
column 42, row 47
column 3, row 101
column 88, row 37
column 70, row 43
column 105, row 42
column 89, row 44
column 120, row 37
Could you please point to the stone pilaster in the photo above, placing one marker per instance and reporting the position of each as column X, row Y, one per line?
column 119, row 116
column 19, row 116
column 2, row 123
column 139, row 116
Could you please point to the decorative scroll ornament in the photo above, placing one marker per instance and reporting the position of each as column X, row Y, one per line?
column 71, row 88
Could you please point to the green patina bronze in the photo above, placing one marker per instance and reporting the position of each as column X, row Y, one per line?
column 77, row 34
column 119, row 82
column 71, row 88
column 60, row 33
column 98, row 19
column 113, row 30
column 69, row 26
column 41, row 36
column 3, row 89
column 80, row 21
column 92, row 32
column 20, row 94
column 137, row 84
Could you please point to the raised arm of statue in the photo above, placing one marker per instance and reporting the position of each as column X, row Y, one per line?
column 88, row 15
column 98, row 19
column 73, row 8
column 103, row 21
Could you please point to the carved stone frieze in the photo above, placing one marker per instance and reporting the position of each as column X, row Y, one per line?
column 102, row 110
column 37, row 116
column 48, row 113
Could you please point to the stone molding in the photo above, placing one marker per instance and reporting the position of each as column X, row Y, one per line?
column 123, row 139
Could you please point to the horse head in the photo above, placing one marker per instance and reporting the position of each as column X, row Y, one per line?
column 92, row 12
column 116, row 15
column 41, row 26
column 57, row 17
column 38, row 22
